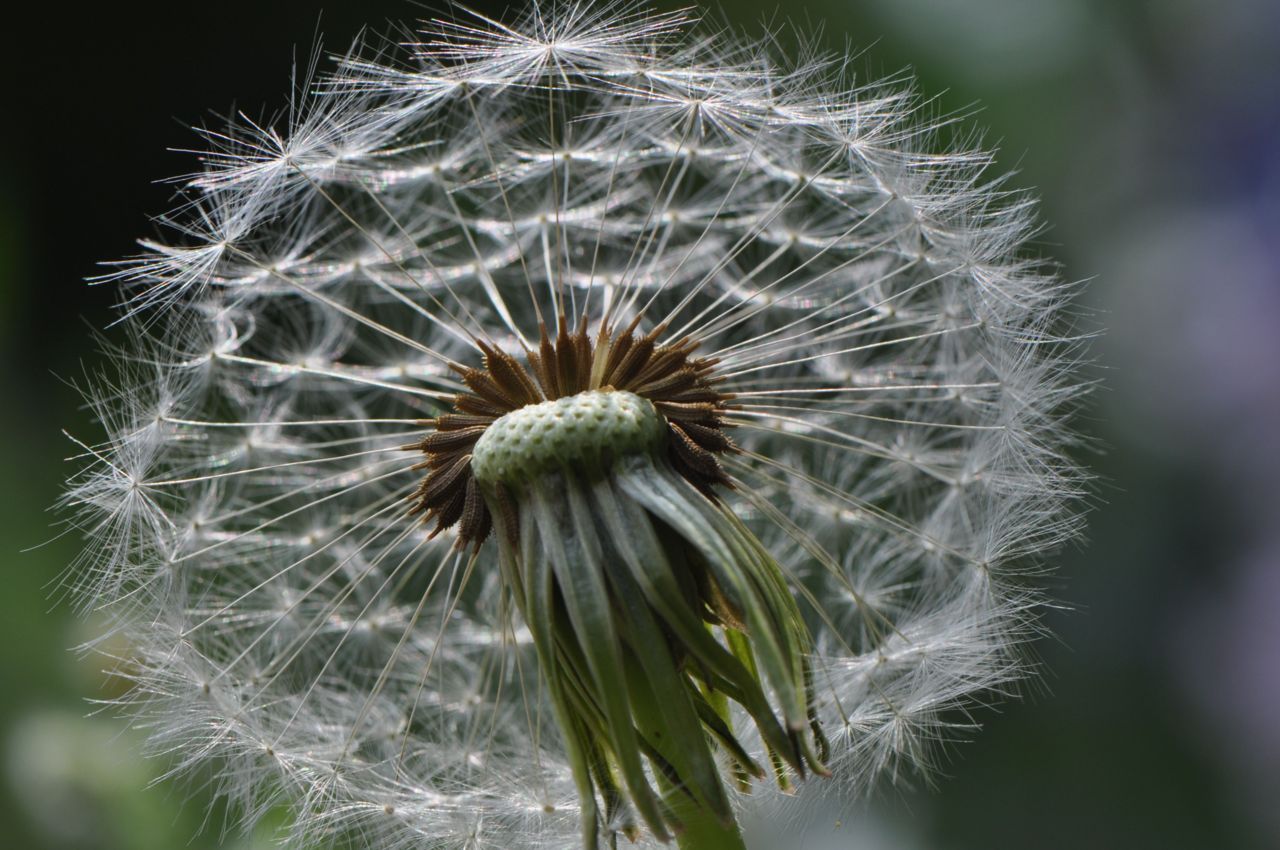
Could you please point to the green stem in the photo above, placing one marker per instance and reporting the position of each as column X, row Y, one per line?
column 702, row 830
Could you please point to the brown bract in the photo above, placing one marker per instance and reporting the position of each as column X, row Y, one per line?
column 681, row 387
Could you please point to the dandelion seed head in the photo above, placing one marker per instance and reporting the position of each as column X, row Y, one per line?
column 757, row 348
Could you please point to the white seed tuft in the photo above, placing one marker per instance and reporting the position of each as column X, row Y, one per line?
column 900, row 365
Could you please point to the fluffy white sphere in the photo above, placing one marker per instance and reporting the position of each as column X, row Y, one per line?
column 893, row 351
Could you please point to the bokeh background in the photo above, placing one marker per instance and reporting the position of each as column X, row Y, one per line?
column 1152, row 131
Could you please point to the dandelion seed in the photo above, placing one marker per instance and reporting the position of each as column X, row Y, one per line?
column 579, row 428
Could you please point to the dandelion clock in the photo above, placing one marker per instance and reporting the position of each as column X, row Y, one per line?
column 576, row 431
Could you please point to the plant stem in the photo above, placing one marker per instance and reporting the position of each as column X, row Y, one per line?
column 709, row 834
column 702, row 830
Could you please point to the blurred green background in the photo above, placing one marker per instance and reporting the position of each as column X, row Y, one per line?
column 1152, row 132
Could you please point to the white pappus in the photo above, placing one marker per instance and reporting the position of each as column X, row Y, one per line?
column 582, row 429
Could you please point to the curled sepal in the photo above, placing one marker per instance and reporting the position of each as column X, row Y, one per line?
column 651, row 608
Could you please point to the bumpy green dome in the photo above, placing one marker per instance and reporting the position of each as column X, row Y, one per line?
column 582, row 431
